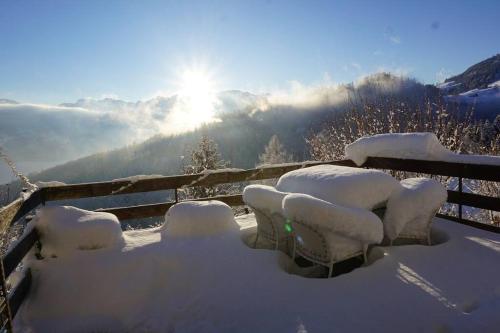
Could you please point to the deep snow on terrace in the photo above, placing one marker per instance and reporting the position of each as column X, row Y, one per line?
column 218, row 284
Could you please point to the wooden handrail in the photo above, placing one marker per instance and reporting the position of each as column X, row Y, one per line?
column 159, row 209
column 85, row 190
column 18, row 208
column 213, row 177
column 450, row 169
column 474, row 200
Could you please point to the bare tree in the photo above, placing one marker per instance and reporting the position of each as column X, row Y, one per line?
column 458, row 131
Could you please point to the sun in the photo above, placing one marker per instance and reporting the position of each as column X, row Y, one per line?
column 197, row 95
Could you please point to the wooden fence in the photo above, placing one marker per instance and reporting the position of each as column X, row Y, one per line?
column 10, row 300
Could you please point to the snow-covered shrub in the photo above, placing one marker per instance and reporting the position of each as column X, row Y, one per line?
column 263, row 196
column 411, row 207
column 65, row 229
column 198, row 219
column 351, row 187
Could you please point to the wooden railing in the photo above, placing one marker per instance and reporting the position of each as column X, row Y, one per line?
column 10, row 302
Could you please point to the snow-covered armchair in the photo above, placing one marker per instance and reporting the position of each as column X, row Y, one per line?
column 326, row 233
column 411, row 208
column 266, row 202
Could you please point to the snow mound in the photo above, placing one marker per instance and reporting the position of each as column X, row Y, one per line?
column 355, row 223
column 198, row 219
column 410, row 208
column 64, row 230
column 264, row 197
column 346, row 186
column 420, row 146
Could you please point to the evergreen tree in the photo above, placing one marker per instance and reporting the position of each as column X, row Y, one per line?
column 274, row 153
column 205, row 157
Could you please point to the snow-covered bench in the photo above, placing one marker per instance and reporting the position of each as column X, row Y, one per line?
column 411, row 208
column 326, row 233
column 266, row 202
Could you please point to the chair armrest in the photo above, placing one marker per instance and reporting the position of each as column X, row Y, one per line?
column 355, row 223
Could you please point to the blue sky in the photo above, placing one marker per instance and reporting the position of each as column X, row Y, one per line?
column 59, row 51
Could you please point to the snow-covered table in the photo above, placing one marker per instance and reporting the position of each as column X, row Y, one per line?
column 346, row 186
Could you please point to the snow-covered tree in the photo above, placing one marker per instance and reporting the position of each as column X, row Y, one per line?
column 203, row 158
column 274, row 153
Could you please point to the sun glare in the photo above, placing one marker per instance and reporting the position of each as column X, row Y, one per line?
column 197, row 95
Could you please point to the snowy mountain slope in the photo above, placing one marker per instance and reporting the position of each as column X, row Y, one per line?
column 478, row 76
column 478, row 87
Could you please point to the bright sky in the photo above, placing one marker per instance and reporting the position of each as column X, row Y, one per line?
column 59, row 51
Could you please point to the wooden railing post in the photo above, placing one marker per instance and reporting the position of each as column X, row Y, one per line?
column 5, row 313
column 460, row 190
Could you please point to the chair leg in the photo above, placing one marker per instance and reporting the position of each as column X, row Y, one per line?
column 256, row 239
column 330, row 270
column 429, row 242
column 365, row 256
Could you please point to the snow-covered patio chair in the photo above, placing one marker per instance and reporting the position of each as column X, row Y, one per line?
column 266, row 202
column 327, row 233
column 410, row 209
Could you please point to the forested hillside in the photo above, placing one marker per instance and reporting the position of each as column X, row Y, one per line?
column 240, row 136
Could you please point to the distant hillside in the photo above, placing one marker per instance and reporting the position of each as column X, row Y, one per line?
column 478, row 76
column 241, row 136
column 477, row 88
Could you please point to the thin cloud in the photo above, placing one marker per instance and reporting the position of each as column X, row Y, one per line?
column 391, row 35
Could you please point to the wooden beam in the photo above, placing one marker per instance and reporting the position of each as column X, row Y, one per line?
column 153, row 210
column 75, row 191
column 7, row 214
column 14, row 256
column 470, row 171
column 474, row 200
column 213, row 177
column 19, row 293
column 18, row 208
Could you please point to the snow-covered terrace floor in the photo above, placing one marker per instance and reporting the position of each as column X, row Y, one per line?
column 221, row 285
